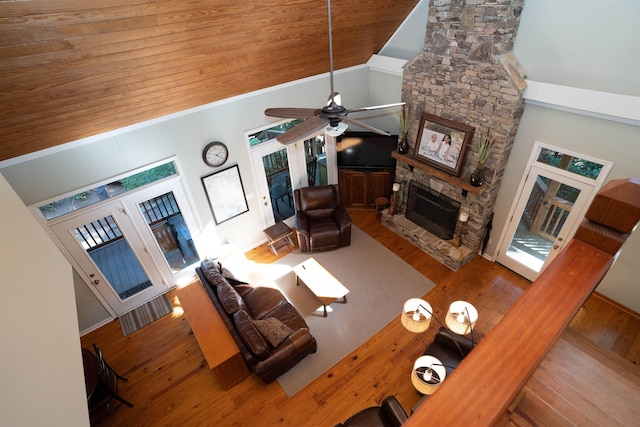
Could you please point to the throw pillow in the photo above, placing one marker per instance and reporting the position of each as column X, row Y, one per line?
column 250, row 335
column 229, row 298
column 273, row 330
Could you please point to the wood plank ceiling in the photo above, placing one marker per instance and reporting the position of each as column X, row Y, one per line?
column 75, row 68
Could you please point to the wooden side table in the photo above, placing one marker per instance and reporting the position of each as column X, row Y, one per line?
column 217, row 345
column 279, row 235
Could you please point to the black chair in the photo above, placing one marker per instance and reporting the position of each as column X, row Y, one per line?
column 450, row 348
column 106, row 391
column 389, row 414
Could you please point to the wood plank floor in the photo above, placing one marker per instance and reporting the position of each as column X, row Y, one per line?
column 170, row 383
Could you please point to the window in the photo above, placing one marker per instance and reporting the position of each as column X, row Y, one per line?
column 570, row 163
column 265, row 135
column 92, row 196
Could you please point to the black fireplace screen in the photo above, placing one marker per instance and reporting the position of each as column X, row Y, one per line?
column 432, row 211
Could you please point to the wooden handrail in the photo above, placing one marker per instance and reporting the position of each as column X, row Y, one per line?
column 481, row 388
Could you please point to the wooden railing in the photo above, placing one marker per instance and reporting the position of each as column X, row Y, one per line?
column 490, row 379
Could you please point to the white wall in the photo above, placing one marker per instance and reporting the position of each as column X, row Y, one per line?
column 409, row 38
column 589, row 44
column 41, row 374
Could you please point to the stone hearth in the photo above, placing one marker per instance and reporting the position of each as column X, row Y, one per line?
column 460, row 76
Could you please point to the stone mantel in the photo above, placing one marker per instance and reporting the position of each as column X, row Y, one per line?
column 456, row 181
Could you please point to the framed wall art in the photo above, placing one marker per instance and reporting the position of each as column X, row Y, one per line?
column 443, row 143
column 225, row 193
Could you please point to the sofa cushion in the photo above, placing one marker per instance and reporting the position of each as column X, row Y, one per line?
column 250, row 335
column 273, row 330
column 316, row 214
column 230, row 298
column 261, row 300
column 210, row 271
column 287, row 314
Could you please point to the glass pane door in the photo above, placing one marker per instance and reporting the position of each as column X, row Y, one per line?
column 276, row 169
column 105, row 244
column 279, row 170
column 111, row 256
column 316, row 161
column 163, row 216
column 547, row 213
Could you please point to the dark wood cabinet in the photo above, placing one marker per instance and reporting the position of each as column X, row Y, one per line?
column 359, row 189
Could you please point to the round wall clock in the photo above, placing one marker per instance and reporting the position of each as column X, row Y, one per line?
column 215, row 153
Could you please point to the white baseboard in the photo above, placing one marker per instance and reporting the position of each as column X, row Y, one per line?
column 96, row 326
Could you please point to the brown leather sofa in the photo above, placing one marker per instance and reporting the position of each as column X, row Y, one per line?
column 322, row 223
column 389, row 414
column 271, row 334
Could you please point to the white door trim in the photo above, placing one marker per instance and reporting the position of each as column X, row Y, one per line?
column 591, row 186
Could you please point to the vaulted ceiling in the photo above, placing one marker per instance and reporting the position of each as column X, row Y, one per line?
column 76, row 68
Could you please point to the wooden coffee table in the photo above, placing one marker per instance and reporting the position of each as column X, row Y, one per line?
column 319, row 281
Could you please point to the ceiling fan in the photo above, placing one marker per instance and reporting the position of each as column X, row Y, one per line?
column 329, row 117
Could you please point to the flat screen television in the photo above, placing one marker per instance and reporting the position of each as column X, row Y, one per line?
column 366, row 150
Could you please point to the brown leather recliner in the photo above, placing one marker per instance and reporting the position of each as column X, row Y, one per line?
column 322, row 223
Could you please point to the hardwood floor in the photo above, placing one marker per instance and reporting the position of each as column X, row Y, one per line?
column 170, row 383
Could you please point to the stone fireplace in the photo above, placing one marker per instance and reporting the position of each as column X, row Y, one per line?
column 465, row 73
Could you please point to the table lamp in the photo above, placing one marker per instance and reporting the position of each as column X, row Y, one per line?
column 428, row 373
column 461, row 317
column 416, row 317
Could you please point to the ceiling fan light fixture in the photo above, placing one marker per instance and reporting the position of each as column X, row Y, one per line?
column 335, row 131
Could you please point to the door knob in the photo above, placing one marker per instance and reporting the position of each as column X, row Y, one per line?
column 556, row 246
column 96, row 282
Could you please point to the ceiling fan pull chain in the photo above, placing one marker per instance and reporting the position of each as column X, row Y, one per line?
column 333, row 103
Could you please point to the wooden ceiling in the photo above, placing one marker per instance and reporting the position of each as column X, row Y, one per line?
column 75, row 68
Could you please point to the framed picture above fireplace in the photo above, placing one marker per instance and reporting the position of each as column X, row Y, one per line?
column 443, row 143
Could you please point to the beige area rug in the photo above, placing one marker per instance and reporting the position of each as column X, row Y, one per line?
column 145, row 314
column 379, row 283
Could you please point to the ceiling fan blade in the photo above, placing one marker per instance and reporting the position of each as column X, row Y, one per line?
column 377, row 107
column 303, row 131
column 292, row 113
column 365, row 126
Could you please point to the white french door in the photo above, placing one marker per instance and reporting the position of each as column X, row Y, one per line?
column 112, row 256
column 280, row 169
column 275, row 176
column 133, row 247
column 553, row 198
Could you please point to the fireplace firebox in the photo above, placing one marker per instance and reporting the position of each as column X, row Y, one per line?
column 436, row 213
